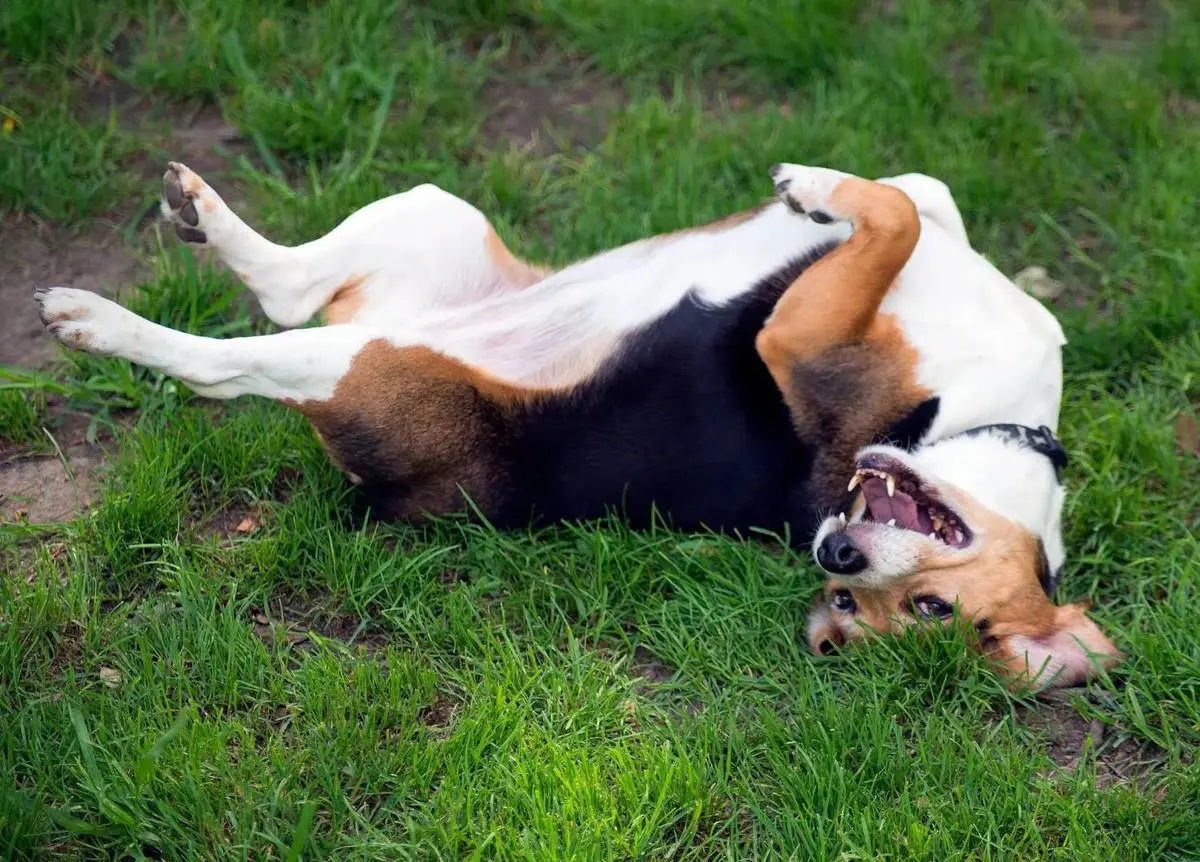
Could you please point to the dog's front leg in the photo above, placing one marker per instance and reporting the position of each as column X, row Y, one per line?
column 835, row 301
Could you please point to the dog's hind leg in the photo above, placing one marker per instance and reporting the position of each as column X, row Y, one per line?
column 398, row 256
column 297, row 365
column 416, row 427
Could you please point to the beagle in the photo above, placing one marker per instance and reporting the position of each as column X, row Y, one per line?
column 838, row 362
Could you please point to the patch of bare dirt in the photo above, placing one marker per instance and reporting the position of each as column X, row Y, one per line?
column 195, row 133
column 650, row 667
column 1115, row 22
column 233, row 522
column 1070, row 738
column 36, row 255
column 439, row 716
column 294, row 620
column 42, row 489
column 450, row 578
column 67, row 648
column 545, row 108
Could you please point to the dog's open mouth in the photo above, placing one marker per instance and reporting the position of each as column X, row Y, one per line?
column 895, row 496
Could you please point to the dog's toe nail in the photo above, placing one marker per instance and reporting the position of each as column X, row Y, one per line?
column 173, row 188
column 820, row 217
column 188, row 213
column 189, row 234
column 793, row 204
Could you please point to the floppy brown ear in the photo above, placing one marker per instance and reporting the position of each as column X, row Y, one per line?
column 1070, row 651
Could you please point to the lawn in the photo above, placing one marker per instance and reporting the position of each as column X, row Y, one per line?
column 206, row 652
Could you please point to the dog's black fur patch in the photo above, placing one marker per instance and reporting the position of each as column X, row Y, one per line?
column 685, row 420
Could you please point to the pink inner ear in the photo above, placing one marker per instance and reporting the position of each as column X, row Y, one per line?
column 1072, row 654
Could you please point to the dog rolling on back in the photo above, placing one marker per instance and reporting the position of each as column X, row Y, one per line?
column 838, row 361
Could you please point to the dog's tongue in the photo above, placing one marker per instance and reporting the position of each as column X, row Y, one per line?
column 884, row 508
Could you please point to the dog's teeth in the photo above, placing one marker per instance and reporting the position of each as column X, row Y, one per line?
column 891, row 486
column 892, row 522
column 933, row 536
column 938, row 523
column 958, row 537
column 842, row 518
column 854, row 481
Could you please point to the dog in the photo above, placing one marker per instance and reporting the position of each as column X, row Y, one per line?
column 837, row 365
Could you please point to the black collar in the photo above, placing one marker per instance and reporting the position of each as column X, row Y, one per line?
column 1040, row 440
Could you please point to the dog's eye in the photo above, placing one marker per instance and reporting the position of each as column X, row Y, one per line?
column 844, row 602
column 931, row 608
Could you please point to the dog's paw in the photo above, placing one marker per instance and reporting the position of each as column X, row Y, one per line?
column 191, row 205
column 82, row 320
column 809, row 191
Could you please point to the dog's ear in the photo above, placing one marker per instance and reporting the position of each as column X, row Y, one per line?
column 1069, row 651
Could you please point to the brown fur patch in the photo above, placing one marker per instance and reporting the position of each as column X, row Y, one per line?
column 419, row 422
column 346, row 300
column 513, row 270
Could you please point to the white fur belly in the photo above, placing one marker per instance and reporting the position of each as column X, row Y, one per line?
column 559, row 331
column 989, row 351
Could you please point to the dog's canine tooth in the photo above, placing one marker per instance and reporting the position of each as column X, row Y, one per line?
column 892, row 522
column 933, row 536
column 958, row 537
column 855, row 481
column 842, row 518
column 891, row 486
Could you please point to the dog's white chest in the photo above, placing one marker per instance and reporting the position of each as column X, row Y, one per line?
column 990, row 352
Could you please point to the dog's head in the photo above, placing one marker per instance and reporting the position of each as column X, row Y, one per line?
column 972, row 521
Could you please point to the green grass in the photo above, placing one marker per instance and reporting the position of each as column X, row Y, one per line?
column 321, row 688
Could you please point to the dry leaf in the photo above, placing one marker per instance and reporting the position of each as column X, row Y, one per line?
column 1035, row 281
column 247, row 525
column 261, row 619
column 110, row 676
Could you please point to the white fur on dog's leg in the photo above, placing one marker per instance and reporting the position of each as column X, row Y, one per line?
column 300, row 365
column 808, row 190
column 274, row 273
column 85, row 321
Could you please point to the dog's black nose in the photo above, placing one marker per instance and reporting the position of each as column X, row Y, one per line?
column 837, row 555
